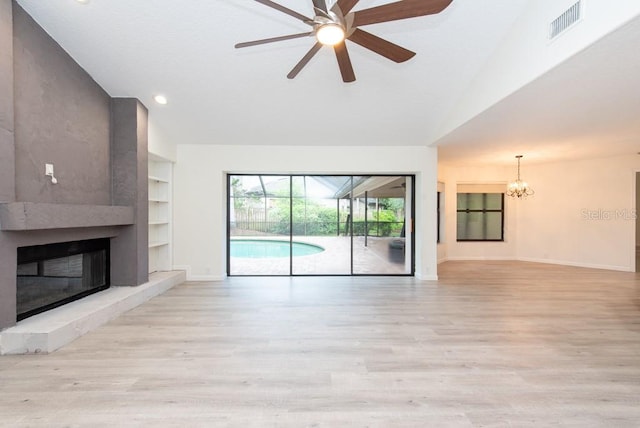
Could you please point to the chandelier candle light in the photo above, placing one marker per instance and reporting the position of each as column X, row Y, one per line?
column 519, row 189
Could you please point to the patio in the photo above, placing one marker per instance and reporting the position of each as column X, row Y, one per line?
column 377, row 258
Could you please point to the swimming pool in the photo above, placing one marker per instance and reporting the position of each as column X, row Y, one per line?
column 264, row 248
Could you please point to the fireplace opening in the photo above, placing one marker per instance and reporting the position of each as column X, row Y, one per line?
column 55, row 274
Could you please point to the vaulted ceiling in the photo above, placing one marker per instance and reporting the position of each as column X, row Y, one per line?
column 221, row 95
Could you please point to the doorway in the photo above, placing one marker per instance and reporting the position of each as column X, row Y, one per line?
column 320, row 225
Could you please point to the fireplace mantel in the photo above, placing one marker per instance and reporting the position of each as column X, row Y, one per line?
column 23, row 216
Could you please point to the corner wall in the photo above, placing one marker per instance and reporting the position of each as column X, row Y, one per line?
column 199, row 220
column 583, row 214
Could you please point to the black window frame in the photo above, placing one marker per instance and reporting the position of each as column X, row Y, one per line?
column 438, row 216
column 483, row 211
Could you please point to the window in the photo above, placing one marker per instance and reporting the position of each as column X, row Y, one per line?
column 480, row 217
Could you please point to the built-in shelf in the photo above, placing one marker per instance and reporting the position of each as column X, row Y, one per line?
column 160, row 173
column 18, row 216
column 158, row 179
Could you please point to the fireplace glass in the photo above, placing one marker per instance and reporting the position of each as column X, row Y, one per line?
column 51, row 275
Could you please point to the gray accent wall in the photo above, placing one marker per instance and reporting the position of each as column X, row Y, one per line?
column 61, row 117
column 130, row 250
column 52, row 111
column 7, row 154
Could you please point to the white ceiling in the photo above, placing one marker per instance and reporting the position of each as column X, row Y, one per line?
column 221, row 95
column 587, row 107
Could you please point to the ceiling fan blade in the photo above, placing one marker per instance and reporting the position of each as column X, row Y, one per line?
column 271, row 40
column 346, row 5
column 305, row 59
column 381, row 46
column 344, row 62
column 402, row 9
column 320, row 4
column 288, row 11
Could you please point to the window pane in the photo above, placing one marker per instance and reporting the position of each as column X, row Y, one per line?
column 465, row 201
column 380, row 243
column 493, row 201
column 318, row 214
column 259, row 223
column 479, row 226
column 493, row 222
column 479, row 201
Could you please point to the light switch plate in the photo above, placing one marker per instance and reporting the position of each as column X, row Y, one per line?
column 48, row 169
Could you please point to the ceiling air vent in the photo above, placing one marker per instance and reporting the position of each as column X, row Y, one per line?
column 566, row 20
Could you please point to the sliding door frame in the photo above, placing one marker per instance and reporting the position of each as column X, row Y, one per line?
column 409, row 225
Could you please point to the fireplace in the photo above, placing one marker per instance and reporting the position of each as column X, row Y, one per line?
column 52, row 275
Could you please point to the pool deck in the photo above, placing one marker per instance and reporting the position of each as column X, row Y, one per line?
column 377, row 258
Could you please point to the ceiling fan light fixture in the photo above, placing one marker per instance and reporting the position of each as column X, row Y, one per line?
column 330, row 34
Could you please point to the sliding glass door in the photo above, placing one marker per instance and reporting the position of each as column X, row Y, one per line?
column 380, row 215
column 320, row 225
column 259, row 225
column 317, row 217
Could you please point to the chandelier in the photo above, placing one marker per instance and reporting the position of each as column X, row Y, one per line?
column 518, row 188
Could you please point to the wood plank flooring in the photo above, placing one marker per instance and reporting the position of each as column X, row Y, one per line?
column 491, row 344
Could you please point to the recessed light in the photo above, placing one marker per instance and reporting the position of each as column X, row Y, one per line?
column 160, row 99
column 83, row 1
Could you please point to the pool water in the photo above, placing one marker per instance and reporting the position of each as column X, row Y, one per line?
column 259, row 248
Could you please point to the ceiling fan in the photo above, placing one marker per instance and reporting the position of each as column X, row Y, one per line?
column 332, row 26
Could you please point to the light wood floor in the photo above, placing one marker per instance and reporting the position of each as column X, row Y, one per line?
column 492, row 344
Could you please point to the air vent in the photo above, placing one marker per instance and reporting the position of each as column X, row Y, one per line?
column 566, row 20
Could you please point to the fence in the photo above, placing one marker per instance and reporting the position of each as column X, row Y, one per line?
column 374, row 228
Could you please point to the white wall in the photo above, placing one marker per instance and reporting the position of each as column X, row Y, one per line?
column 159, row 145
column 526, row 52
column 583, row 213
column 200, row 194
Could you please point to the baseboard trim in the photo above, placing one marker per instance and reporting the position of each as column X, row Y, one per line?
column 480, row 259
column 576, row 264
column 204, row 278
column 427, row 278
column 544, row 261
column 192, row 277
